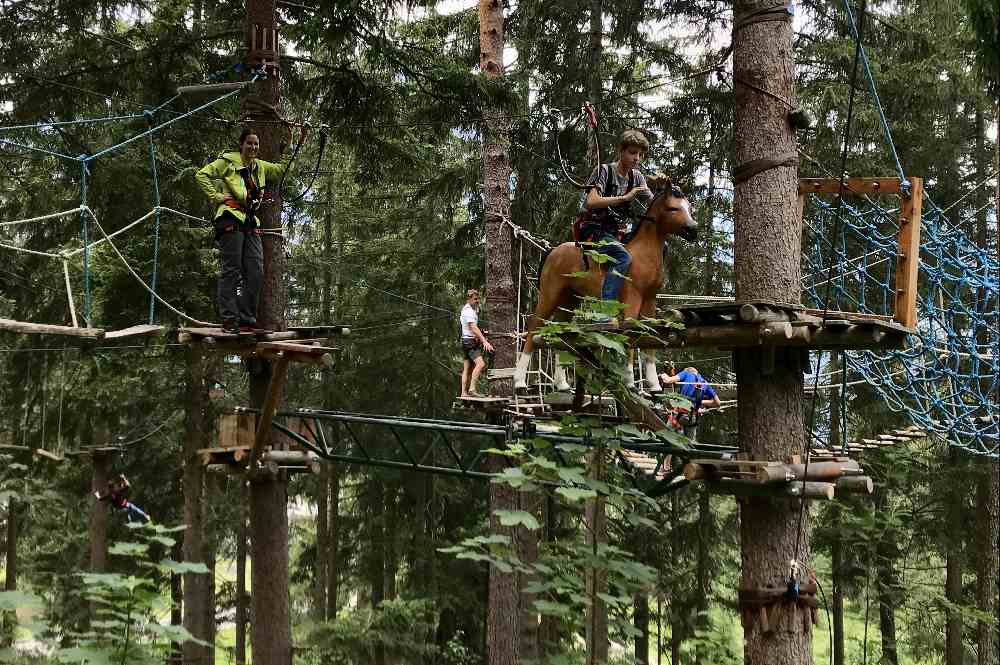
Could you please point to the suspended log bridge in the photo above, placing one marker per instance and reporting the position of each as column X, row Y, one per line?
column 891, row 438
column 82, row 334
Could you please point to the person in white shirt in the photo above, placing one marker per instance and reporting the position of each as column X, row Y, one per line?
column 473, row 344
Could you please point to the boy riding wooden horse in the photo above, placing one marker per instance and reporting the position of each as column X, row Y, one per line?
column 613, row 189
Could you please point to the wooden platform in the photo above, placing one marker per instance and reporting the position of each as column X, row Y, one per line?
column 297, row 345
column 748, row 324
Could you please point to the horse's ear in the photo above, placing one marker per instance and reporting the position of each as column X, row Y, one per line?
column 659, row 182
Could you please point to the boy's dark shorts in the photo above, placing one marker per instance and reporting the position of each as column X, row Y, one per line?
column 471, row 349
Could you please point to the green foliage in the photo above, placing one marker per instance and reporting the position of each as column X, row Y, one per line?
column 125, row 626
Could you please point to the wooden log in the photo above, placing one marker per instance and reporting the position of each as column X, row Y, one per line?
column 224, row 469
column 308, row 462
column 908, row 255
column 695, row 471
column 751, row 488
column 305, row 357
column 848, row 316
column 851, row 185
column 751, row 313
column 823, row 471
column 855, row 485
column 29, row 328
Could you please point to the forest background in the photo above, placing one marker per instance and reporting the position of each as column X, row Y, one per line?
column 388, row 239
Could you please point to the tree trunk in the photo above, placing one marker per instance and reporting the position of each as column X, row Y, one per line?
column 954, row 648
column 502, row 618
column 988, row 537
column 270, row 634
column 195, row 438
column 709, row 220
column 527, row 552
column 241, row 578
column 640, row 619
column 705, row 531
column 176, row 606
column 888, row 584
column 333, row 568
column 595, row 519
column 99, row 516
column 322, row 542
column 10, row 569
column 837, row 551
column 767, row 267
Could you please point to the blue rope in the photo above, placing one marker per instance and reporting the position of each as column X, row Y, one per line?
column 84, row 170
column 871, row 87
column 65, row 123
column 156, row 223
column 944, row 378
column 153, row 130
column 41, row 150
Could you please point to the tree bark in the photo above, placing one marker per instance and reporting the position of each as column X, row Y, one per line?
column 988, row 537
column 99, row 516
column 767, row 267
column 195, row 438
column 241, row 578
column 954, row 647
column 837, row 551
column 705, row 531
column 888, row 584
column 270, row 634
column 10, row 569
column 502, row 617
column 320, row 583
column 176, row 606
column 333, row 568
column 595, row 518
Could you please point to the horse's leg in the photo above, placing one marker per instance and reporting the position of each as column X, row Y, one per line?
column 648, row 310
column 547, row 303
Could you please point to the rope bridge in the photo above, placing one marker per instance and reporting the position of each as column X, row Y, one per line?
column 946, row 377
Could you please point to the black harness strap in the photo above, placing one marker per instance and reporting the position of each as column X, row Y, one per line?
column 747, row 170
column 782, row 12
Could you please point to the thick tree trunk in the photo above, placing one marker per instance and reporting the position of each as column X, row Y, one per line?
column 888, row 584
column 270, row 635
column 195, row 438
column 502, row 620
column 709, row 222
column 767, row 267
column 640, row 620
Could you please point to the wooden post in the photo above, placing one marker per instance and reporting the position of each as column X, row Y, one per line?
column 274, row 390
column 908, row 257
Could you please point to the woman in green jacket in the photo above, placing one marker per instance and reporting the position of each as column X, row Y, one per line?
column 235, row 182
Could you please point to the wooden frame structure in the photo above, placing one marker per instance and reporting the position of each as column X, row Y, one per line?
column 297, row 344
column 910, row 214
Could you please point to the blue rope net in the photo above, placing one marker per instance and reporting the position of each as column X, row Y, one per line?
column 946, row 376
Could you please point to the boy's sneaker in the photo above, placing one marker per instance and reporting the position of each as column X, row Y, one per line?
column 231, row 326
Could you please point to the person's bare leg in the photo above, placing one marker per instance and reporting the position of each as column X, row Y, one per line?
column 466, row 368
column 476, row 369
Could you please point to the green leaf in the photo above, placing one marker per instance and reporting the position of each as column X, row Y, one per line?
column 12, row 600
column 607, row 342
column 129, row 549
column 181, row 567
column 85, row 655
column 576, row 494
column 517, row 518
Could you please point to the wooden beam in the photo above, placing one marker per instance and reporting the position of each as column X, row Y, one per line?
column 908, row 255
column 271, row 399
column 851, row 185
column 46, row 329
column 794, row 490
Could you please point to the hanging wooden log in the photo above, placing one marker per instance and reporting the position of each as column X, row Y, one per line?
column 752, row 488
column 29, row 328
column 308, row 461
column 823, row 471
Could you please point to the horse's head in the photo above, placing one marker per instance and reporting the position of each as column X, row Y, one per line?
column 670, row 209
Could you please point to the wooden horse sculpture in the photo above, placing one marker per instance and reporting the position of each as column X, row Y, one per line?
column 669, row 213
